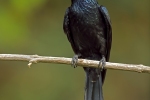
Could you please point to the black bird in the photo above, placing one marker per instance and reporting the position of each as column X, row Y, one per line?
column 88, row 29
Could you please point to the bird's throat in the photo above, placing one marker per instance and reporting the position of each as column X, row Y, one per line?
column 87, row 1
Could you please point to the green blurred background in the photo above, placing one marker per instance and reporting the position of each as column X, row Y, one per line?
column 35, row 27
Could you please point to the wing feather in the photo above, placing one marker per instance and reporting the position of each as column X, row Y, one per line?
column 107, row 20
column 67, row 30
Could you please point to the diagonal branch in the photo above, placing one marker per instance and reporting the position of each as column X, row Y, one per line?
column 81, row 62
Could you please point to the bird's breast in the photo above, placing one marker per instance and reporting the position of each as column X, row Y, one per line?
column 86, row 28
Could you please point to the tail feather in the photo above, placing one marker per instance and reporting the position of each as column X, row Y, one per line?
column 93, row 88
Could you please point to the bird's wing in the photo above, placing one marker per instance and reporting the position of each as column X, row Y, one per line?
column 107, row 21
column 67, row 29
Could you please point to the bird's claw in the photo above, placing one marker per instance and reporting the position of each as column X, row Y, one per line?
column 102, row 63
column 74, row 61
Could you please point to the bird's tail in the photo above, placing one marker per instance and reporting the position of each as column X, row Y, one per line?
column 93, row 86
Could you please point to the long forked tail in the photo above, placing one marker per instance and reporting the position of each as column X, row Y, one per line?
column 93, row 87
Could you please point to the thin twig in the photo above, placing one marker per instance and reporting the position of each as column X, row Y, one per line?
column 81, row 62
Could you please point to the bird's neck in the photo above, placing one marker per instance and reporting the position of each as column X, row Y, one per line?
column 88, row 1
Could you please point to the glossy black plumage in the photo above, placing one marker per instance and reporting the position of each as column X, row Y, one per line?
column 88, row 29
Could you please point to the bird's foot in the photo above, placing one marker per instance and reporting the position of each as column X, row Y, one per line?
column 74, row 61
column 102, row 63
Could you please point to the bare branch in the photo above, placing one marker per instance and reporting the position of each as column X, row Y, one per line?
column 81, row 62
